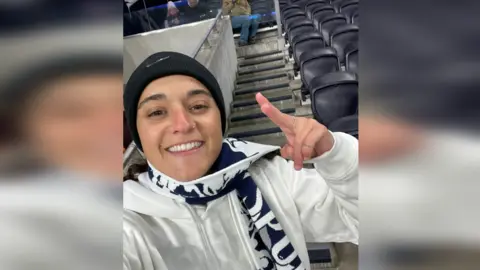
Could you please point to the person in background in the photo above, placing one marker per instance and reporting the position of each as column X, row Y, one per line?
column 157, row 13
column 192, row 11
column 240, row 12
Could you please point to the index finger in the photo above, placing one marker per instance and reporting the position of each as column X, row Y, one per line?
column 280, row 119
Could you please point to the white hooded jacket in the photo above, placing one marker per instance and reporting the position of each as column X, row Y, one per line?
column 312, row 205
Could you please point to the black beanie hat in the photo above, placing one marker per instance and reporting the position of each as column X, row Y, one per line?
column 160, row 65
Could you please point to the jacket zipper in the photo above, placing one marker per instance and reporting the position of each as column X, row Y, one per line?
column 205, row 242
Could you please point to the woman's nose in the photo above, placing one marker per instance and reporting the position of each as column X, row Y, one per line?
column 182, row 121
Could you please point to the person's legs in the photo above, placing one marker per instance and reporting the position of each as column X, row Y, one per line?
column 244, row 23
column 254, row 23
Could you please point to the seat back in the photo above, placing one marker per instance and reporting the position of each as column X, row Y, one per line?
column 289, row 9
column 300, row 3
column 317, row 63
column 342, row 36
column 310, row 6
column 329, row 23
column 306, row 42
column 351, row 57
column 299, row 27
column 292, row 18
column 334, row 95
column 347, row 124
column 320, row 13
column 348, row 8
column 354, row 17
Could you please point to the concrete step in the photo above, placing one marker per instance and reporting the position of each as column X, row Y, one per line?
column 288, row 69
column 260, row 54
column 272, row 97
column 263, row 83
column 260, row 60
column 251, row 131
column 286, row 91
column 269, row 87
column 289, row 103
column 255, row 113
column 252, row 79
column 247, row 124
column 266, row 46
column 262, row 33
column 261, row 67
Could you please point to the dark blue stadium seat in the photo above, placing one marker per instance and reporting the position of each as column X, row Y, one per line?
column 334, row 95
column 341, row 36
column 289, row 9
column 354, row 18
column 298, row 28
column 329, row 23
column 300, row 3
column 311, row 5
column 348, row 7
column 319, row 13
column 306, row 42
column 293, row 17
column 351, row 57
column 316, row 64
column 347, row 124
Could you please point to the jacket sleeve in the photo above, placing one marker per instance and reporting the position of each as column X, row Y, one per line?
column 227, row 6
column 326, row 197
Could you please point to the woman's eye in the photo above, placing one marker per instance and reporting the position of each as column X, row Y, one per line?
column 198, row 108
column 157, row 113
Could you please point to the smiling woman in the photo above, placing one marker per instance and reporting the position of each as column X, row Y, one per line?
column 208, row 202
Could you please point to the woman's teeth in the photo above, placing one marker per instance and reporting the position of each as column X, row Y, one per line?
column 184, row 147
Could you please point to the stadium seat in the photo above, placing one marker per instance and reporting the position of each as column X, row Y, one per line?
column 306, row 42
column 293, row 17
column 334, row 95
column 289, row 9
column 317, row 63
column 348, row 7
column 351, row 57
column 329, row 23
column 319, row 13
column 300, row 3
column 341, row 36
column 354, row 18
column 298, row 28
column 310, row 6
column 346, row 124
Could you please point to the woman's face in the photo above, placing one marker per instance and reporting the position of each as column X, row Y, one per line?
column 179, row 125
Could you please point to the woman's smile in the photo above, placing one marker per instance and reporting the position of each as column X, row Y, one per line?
column 186, row 148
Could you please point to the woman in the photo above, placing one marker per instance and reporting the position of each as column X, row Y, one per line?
column 206, row 202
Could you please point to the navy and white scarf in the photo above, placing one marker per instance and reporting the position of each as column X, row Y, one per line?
column 231, row 175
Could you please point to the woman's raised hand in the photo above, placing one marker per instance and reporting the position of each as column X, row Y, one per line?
column 306, row 138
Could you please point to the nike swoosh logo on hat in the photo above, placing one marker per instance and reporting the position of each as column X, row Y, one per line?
column 158, row 60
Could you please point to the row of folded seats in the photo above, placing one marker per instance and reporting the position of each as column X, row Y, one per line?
column 323, row 42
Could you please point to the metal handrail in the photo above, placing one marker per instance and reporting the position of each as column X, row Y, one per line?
column 199, row 47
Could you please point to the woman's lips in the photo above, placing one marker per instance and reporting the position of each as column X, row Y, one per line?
column 184, row 149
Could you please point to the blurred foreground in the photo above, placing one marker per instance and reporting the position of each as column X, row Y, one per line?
column 419, row 127
column 60, row 135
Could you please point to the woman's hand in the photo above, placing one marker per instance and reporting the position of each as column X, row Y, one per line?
column 306, row 138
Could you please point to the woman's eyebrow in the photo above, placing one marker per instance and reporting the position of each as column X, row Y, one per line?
column 198, row 92
column 150, row 98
